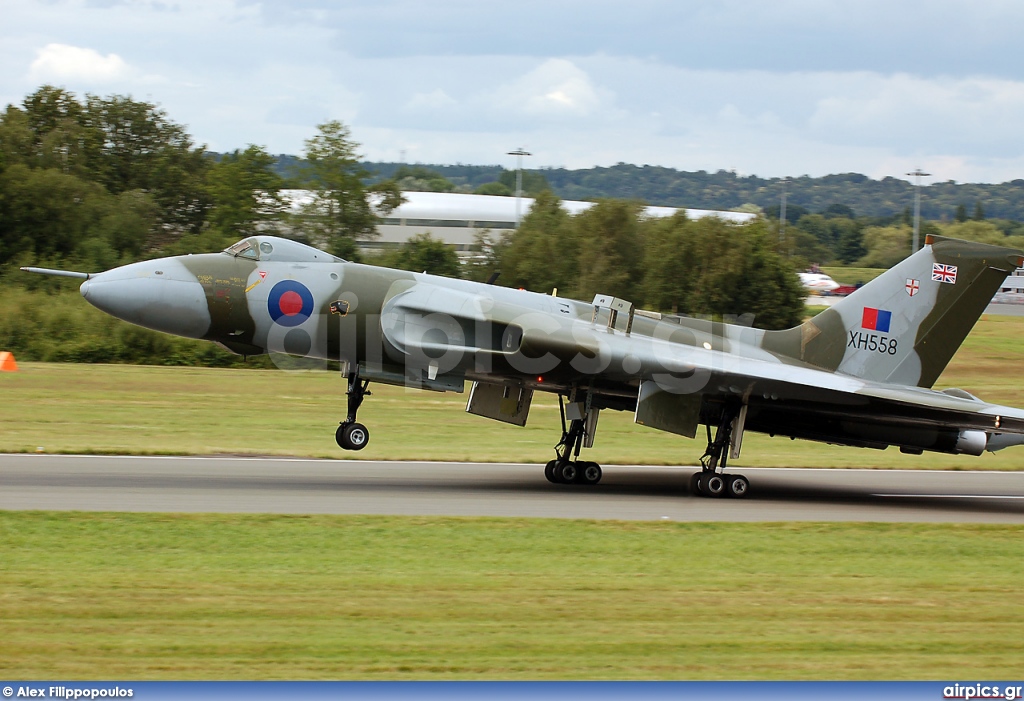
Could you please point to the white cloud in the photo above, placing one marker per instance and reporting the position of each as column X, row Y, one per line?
column 61, row 62
column 704, row 84
column 555, row 88
column 436, row 99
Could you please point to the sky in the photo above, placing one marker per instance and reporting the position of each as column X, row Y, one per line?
column 780, row 88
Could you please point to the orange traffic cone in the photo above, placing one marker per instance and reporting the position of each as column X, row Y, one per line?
column 7, row 363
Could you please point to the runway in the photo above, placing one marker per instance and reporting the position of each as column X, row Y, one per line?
column 299, row 486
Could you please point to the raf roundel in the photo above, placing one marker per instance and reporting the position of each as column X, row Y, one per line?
column 290, row 303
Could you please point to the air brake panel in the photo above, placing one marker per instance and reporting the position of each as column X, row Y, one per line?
column 506, row 403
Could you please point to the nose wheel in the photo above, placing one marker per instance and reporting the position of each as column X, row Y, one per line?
column 352, row 435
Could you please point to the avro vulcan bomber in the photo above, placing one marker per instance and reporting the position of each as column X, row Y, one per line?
column 859, row 373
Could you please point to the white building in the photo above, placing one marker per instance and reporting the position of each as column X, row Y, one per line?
column 457, row 218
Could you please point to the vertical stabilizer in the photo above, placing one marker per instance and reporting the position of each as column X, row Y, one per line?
column 905, row 325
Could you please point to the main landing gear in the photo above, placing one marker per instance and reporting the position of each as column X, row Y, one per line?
column 351, row 434
column 710, row 482
column 567, row 468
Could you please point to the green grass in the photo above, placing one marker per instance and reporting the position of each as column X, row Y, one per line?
column 142, row 596
column 851, row 276
column 164, row 410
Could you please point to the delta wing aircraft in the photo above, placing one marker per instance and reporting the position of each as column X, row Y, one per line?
column 859, row 373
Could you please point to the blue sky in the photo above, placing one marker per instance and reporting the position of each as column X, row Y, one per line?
column 768, row 88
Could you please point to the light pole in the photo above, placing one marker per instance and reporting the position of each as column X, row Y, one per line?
column 918, row 174
column 782, row 211
column 519, row 153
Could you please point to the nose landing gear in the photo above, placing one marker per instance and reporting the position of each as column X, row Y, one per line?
column 352, row 435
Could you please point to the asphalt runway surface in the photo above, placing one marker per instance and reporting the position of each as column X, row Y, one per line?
column 299, row 486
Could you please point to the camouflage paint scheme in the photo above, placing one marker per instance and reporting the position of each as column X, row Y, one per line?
column 857, row 374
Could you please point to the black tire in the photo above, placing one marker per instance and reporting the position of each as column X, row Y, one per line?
column 590, row 473
column 353, row 436
column 737, row 486
column 549, row 471
column 339, row 436
column 566, row 471
column 712, row 484
column 695, row 489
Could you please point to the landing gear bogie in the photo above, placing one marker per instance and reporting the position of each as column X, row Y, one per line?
column 567, row 468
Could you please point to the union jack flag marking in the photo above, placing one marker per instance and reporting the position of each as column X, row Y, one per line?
column 913, row 287
column 944, row 273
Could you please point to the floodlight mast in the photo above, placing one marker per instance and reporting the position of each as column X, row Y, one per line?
column 918, row 174
column 519, row 153
column 782, row 211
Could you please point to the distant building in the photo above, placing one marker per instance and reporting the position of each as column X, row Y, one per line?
column 456, row 218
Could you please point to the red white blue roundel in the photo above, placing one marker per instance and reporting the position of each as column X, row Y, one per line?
column 290, row 303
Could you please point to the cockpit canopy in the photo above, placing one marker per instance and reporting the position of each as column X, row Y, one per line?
column 273, row 248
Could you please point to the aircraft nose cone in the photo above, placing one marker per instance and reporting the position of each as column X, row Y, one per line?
column 159, row 294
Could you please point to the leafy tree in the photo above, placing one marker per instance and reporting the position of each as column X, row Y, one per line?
column 838, row 210
column 711, row 267
column 542, row 253
column 961, row 213
column 344, row 208
column 425, row 254
column 132, row 145
column 886, row 246
column 16, row 138
column 534, row 182
column 494, row 188
column 610, row 250
column 49, row 215
column 850, row 246
column 793, row 212
column 979, row 212
column 488, row 251
column 246, row 193
column 419, row 179
column 59, row 138
column 668, row 260
column 973, row 230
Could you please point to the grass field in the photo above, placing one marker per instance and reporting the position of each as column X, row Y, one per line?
column 174, row 410
column 142, row 596
column 851, row 276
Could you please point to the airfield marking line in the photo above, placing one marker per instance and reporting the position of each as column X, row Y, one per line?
column 952, row 496
column 342, row 461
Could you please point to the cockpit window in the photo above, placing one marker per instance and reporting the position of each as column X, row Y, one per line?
column 245, row 249
column 271, row 248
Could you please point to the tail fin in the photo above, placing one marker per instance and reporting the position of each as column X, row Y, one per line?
column 905, row 325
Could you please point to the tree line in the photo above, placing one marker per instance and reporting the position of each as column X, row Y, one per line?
column 102, row 181
column 97, row 182
column 728, row 190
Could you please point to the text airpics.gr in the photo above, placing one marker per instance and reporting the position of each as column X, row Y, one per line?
column 982, row 691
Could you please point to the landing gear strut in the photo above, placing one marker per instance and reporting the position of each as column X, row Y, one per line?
column 352, row 435
column 710, row 481
column 567, row 468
